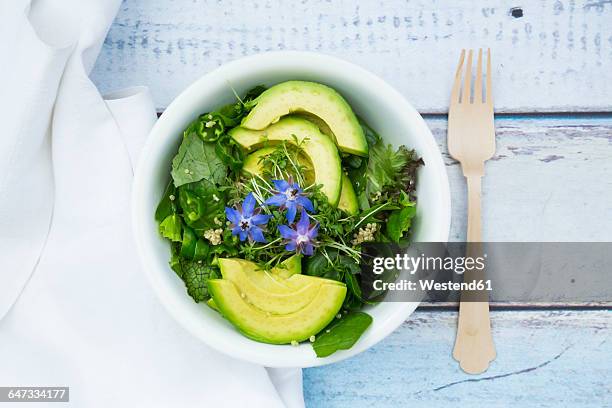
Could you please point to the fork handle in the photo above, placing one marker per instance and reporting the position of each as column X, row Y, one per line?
column 474, row 229
column 474, row 347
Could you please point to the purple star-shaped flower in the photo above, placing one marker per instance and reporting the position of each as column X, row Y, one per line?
column 289, row 195
column 246, row 220
column 300, row 239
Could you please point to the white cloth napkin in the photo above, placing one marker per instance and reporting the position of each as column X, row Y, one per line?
column 75, row 308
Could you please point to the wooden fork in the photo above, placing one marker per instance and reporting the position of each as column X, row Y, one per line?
column 471, row 141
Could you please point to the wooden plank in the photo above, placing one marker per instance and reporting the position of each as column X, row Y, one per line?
column 544, row 359
column 550, row 180
column 454, row 306
column 556, row 57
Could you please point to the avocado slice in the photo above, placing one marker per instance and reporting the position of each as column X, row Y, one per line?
column 348, row 199
column 319, row 149
column 323, row 127
column 297, row 281
column 293, row 283
column 252, row 163
column 315, row 99
column 289, row 267
column 270, row 281
column 265, row 292
column 211, row 303
column 283, row 279
column 253, row 166
column 277, row 328
column 271, row 302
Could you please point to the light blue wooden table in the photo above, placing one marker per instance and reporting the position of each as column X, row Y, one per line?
column 551, row 179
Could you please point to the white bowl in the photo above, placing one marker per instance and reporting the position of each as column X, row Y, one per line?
column 382, row 107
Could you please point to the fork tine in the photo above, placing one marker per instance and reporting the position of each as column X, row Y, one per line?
column 489, row 89
column 478, row 80
column 467, row 86
column 457, row 83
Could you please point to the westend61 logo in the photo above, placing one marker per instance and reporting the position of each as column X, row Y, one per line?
column 425, row 273
column 535, row 272
column 412, row 265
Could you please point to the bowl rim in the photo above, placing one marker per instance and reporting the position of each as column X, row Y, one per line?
column 391, row 322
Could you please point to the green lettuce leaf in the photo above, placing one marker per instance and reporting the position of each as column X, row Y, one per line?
column 197, row 160
column 384, row 166
column 399, row 222
column 171, row 227
column 167, row 205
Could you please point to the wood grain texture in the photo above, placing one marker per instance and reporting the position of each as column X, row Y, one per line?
column 556, row 57
column 545, row 359
column 550, row 180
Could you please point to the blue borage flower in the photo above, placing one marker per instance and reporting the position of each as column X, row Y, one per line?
column 246, row 220
column 302, row 238
column 289, row 195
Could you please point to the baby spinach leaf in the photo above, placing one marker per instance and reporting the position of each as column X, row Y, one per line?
column 399, row 222
column 254, row 93
column 358, row 175
column 364, row 203
column 250, row 100
column 319, row 265
column 170, row 228
column 315, row 265
column 352, row 161
column 202, row 249
column 230, row 115
column 197, row 160
column 175, row 258
column 341, row 334
column 167, row 205
column 351, row 302
column 204, row 189
column 352, row 283
column 371, row 136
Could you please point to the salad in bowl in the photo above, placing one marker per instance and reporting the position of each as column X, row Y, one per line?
column 251, row 210
column 269, row 201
